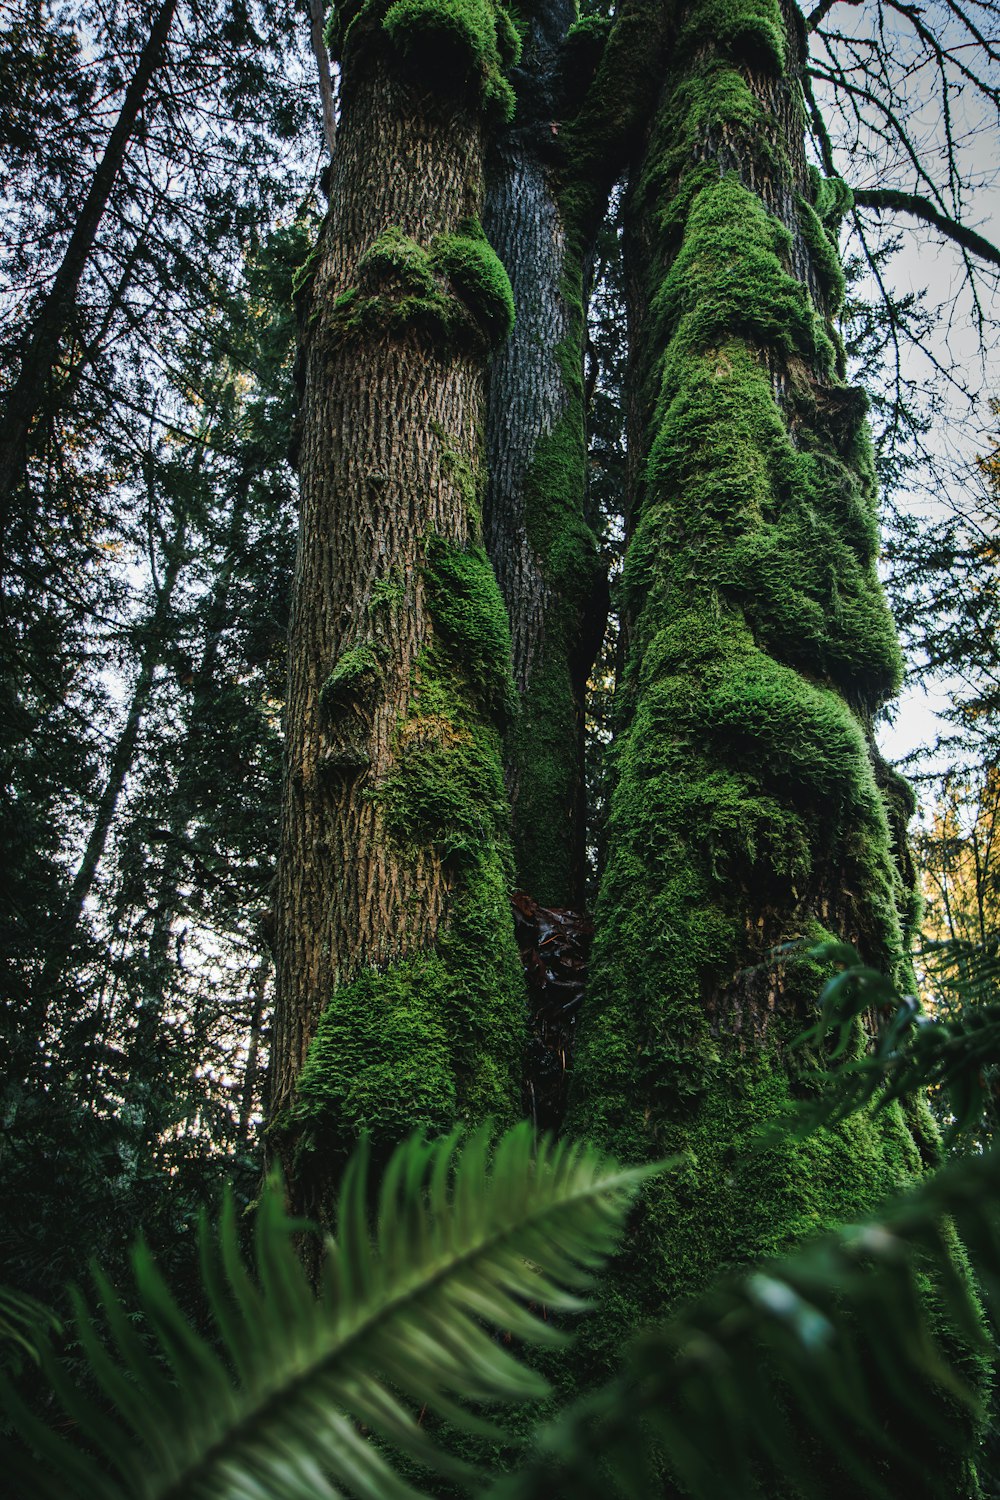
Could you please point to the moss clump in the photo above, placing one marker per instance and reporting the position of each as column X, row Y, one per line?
column 461, row 48
column 831, row 198
column 729, row 278
column 381, row 1058
column 354, row 680
column 786, row 530
column 471, row 621
column 825, row 254
column 749, row 31
column 583, row 48
column 478, row 277
column 456, row 293
column 396, row 264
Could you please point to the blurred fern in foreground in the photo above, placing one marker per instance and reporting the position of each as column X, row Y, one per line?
column 788, row 1380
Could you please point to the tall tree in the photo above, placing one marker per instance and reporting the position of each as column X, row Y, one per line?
column 44, row 336
column 750, row 810
column 399, row 988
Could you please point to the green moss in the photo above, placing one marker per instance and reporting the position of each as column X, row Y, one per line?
column 395, row 262
column 729, row 277
column 456, row 292
column 438, row 1036
column 459, row 47
column 749, row 31
column 387, row 593
column 832, row 200
column 478, row 277
column 825, row 255
column 748, row 810
column 354, row 680
column 583, row 48
column 784, row 529
column 471, row 621
column 380, row 1061
column 545, row 744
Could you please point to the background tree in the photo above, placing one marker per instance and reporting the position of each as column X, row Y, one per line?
column 141, row 654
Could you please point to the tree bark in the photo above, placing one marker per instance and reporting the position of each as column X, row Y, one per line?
column 397, row 974
column 540, row 539
column 748, row 812
column 43, row 339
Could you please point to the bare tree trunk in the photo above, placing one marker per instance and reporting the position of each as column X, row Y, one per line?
column 317, row 23
column 251, row 1074
column 42, row 340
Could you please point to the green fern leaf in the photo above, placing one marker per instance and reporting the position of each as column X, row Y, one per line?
column 468, row 1235
column 832, row 1371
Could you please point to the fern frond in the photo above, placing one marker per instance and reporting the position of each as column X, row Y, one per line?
column 910, row 1051
column 24, row 1326
column 831, row 1362
column 469, row 1234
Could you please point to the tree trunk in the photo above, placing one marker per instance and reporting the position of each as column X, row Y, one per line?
column 399, row 993
column 539, row 537
column 42, row 340
column 747, row 812
column 251, row 1073
column 317, row 25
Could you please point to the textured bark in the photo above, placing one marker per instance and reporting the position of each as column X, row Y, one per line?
column 539, row 535
column 527, row 393
column 391, row 424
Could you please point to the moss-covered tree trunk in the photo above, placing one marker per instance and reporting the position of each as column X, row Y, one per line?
column 747, row 812
column 539, row 537
column 399, row 998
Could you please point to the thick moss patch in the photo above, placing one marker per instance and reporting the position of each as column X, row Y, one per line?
column 460, row 48
column 456, row 292
column 439, row 1035
column 354, row 679
column 748, row 810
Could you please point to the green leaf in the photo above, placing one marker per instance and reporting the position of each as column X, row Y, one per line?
column 471, row 1235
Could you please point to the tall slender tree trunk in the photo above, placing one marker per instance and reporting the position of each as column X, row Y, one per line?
column 190, row 762
column 399, row 993
column 317, row 26
column 42, row 341
column 60, row 945
column 251, row 1073
column 540, row 539
column 580, row 104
